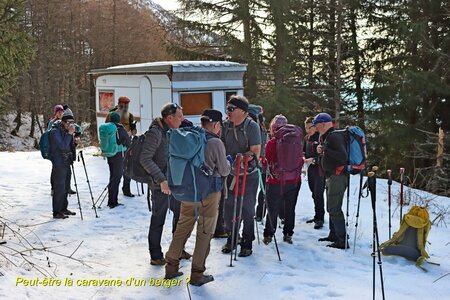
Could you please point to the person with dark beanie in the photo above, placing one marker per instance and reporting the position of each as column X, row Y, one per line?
column 316, row 176
column 115, row 162
column 62, row 147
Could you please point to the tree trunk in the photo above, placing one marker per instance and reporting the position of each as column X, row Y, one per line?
column 337, row 91
column 251, row 75
column 18, row 121
column 358, row 73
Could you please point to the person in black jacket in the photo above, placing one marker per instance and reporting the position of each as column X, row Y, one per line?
column 62, row 149
column 154, row 157
column 115, row 162
column 316, row 179
column 334, row 155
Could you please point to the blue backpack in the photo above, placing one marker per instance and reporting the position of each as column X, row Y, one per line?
column 356, row 147
column 188, row 177
column 108, row 140
column 44, row 145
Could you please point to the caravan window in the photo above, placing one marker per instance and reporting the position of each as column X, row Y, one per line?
column 106, row 99
column 228, row 94
column 194, row 103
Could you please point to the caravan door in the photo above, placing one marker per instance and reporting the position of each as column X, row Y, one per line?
column 145, row 104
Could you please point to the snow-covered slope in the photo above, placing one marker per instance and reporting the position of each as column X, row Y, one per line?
column 114, row 246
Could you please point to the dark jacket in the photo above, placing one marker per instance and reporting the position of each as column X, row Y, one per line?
column 155, row 151
column 310, row 143
column 61, row 145
column 335, row 153
column 123, row 137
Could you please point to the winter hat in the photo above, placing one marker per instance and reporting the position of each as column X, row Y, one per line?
column 277, row 122
column 67, row 115
column 58, row 108
column 124, row 99
column 240, row 102
column 211, row 115
column 114, row 117
column 322, row 118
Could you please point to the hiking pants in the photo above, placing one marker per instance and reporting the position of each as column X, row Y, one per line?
column 316, row 182
column 248, row 209
column 126, row 184
column 115, row 164
column 220, row 226
column 61, row 185
column 281, row 195
column 206, row 224
column 160, row 204
column 336, row 186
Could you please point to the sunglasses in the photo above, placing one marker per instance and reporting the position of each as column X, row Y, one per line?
column 231, row 108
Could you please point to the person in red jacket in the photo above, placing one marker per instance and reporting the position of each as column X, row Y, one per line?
column 282, row 190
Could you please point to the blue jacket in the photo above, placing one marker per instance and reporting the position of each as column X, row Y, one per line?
column 61, row 145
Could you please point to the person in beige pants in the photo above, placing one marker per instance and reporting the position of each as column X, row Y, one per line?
column 208, row 209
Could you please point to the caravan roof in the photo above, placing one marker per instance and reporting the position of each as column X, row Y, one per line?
column 174, row 67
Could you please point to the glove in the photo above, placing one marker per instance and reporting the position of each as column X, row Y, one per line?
column 230, row 159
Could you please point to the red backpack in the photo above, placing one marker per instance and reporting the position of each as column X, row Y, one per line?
column 289, row 153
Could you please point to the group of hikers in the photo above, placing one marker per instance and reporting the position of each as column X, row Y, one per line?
column 240, row 163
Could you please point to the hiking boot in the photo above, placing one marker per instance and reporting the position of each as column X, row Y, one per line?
column 115, row 205
column 69, row 213
column 202, row 281
column 311, row 221
column 185, row 255
column 245, row 252
column 267, row 240
column 128, row 194
column 318, row 224
column 327, row 239
column 72, row 192
column 339, row 245
column 258, row 219
column 59, row 216
column 171, row 276
column 287, row 238
column 227, row 248
column 158, row 262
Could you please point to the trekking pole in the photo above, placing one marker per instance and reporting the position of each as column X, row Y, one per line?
column 347, row 214
column 257, row 231
column 236, row 192
column 142, row 189
column 76, row 188
column 104, row 197
column 87, row 180
column 375, row 240
column 402, row 181
column 357, row 210
column 244, row 180
column 98, row 199
column 389, row 174
column 267, row 212
column 137, row 188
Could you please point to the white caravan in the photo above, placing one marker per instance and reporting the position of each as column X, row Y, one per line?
column 194, row 85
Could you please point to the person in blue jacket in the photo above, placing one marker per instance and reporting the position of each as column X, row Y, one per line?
column 62, row 149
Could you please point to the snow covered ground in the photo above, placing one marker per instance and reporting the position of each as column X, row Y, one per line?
column 114, row 247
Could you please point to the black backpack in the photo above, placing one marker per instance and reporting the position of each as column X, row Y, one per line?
column 256, row 112
column 132, row 164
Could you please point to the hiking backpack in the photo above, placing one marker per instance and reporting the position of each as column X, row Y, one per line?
column 44, row 145
column 256, row 112
column 188, row 177
column 356, row 148
column 132, row 164
column 289, row 153
column 409, row 241
column 108, row 140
